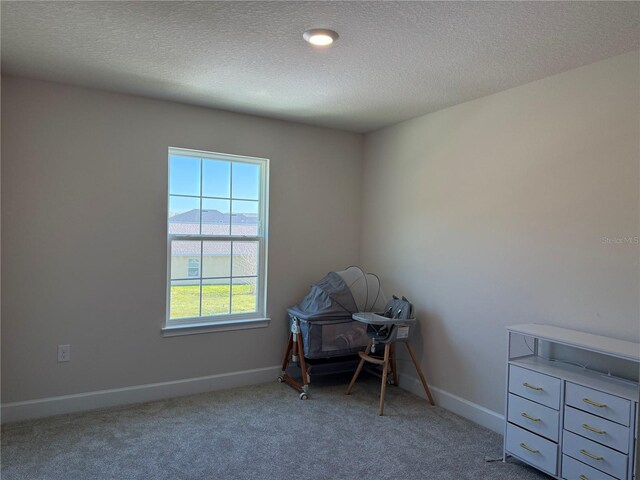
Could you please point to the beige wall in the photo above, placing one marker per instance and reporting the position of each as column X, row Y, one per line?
column 486, row 214
column 84, row 178
column 493, row 212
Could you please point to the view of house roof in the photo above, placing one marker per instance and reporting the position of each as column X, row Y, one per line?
column 213, row 216
column 214, row 222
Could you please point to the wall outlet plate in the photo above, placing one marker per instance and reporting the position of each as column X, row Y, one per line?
column 64, row 353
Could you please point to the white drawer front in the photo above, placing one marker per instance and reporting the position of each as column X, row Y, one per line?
column 599, row 403
column 535, row 386
column 598, row 456
column 533, row 449
column 534, row 417
column 597, row 429
column 575, row 470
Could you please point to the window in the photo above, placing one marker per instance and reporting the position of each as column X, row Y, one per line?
column 194, row 267
column 216, row 238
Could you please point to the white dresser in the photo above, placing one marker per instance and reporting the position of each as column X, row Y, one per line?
column 568, row 421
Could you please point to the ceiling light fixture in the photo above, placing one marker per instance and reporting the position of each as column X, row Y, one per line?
column 320, row 37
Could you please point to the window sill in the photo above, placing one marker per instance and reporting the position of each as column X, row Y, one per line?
column 197, row 328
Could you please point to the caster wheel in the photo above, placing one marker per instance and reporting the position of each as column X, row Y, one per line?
column 304, row 396
column 280, row 379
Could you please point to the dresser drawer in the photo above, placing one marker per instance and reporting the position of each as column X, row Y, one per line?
column 534, row 417
column 599, row 403
column 535, row 386
column 535, row 450
column 575, row 470
column 597, row 429
column 598, row 456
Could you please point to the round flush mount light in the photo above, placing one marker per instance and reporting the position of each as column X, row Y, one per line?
column 320, row 37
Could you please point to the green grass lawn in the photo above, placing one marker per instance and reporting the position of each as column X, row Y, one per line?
column 185, row 301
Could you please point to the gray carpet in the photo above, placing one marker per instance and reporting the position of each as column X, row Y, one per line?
column 260, row 432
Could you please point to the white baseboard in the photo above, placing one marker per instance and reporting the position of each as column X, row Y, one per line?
column 458, row 405
column 44, row 407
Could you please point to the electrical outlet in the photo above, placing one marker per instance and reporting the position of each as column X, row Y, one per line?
column 64, row 353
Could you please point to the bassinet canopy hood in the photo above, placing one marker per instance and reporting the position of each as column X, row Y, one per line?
column 339, row 295
column 329, row 298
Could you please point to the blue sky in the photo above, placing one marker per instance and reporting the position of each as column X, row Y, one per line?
column 216, row 182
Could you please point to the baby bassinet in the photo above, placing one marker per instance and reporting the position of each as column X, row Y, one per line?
column 323, row 337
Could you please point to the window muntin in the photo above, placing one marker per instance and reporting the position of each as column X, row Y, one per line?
column 217, row 210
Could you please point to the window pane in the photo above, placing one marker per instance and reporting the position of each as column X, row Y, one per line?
column 215, row 297
column 243, row 297
column 185, row 299
column 216, row 178
column 246, row 181
column 217, row 259
column 185, row 175
column 184, row 215
column 215, row 217
column 245, row 217
column 245, row 259
column 183, row 255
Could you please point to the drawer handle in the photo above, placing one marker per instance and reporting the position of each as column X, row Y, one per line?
column 527, row 416
column 527, row 447
column 528, row 385
column 594, row 430
column 595, row 404
column 583, row 477
column 591, row 455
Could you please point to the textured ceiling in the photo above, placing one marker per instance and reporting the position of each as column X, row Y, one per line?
column 393, row 61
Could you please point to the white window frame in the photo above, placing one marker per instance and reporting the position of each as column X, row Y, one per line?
column 231, row 321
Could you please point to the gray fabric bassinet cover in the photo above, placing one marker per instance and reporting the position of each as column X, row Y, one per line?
column 330, row 298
